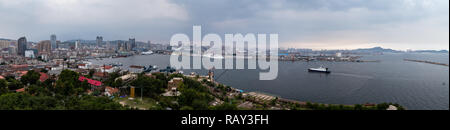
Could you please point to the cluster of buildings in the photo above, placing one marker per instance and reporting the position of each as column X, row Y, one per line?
column 23, row 48
column 21, row 55
column 292, row 54
column 47, row 50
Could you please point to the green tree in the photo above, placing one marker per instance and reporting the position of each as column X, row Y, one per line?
column 186, row 108
column 274, row 101
column 117, row 83
column 91, row 73
column 151, row 87
column 111, row 80
column 226, row 106
column 68, row 83
column 97, row 103
column 13, row 83
column 358, row 107
column 38, row 90
column 44, row 70
column 24, row 101
column 193, row 98
column 32, row 77
column 3, row 87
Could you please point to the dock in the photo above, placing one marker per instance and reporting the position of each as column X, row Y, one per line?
column 428, row 62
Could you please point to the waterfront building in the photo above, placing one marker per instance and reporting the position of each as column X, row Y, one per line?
column 132, row 44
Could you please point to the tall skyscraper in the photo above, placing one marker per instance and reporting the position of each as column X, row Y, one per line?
column 99, row 40
column 77, row 44
column 21, row 46
column 53, row 42
column 132, row 43
column 126, row 46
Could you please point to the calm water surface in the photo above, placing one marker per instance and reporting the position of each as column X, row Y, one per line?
column 413, row 85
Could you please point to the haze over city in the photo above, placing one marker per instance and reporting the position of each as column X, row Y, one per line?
column 316, row 24
column 224, row 63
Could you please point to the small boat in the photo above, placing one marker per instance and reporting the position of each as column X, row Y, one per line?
column 319, row 70
column 136, row 67
column 147, row 53
column 150, row 68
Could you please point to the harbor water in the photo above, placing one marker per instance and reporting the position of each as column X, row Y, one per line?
column 413, row 85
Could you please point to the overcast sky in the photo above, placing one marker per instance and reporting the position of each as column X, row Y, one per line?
column 317, row 24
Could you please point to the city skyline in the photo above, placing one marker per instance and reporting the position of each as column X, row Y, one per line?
column 346, row 24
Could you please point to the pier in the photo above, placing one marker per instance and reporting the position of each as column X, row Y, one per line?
column 428, row 62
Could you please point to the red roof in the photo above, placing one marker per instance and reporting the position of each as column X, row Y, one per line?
column 108, row 67
column 22, row 73
column 90, row 81
column 43, row 77
column 19, row 66
column 20, row 90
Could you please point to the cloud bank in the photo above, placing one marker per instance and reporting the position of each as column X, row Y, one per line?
column 318, row 24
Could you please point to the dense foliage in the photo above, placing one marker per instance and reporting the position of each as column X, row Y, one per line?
column 151, row 87
column 31, row 77
column 66, row 93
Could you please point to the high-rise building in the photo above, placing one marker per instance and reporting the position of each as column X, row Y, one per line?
column 44, row 47
column 126, row 46
column 77, row 44
column 53, row 41
column 58, row 44
column 119, row 46
column 99, row 40
column 132, row 44
column 21, row 46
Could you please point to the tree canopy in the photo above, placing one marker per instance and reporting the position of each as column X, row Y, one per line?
column 67, row 94
column 31, row 77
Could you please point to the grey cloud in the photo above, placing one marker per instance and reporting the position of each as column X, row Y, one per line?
column 300, row 23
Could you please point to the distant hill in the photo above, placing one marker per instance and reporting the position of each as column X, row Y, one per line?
column 376, row 50
column 5, row 39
